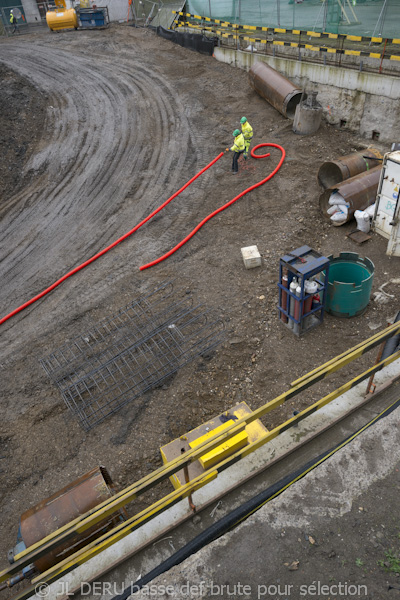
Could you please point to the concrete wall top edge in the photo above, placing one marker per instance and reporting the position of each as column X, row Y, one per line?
column 369, row 83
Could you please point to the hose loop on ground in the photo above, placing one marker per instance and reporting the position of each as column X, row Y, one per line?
column 211, row 215
column 259, row 155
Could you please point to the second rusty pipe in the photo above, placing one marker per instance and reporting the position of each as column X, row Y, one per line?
column 333, row 172
column 359, row 192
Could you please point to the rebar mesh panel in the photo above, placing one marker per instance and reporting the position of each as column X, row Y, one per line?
column 112, row 335
column 123, row 356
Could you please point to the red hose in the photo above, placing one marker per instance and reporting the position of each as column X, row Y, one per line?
column 90, row 260
column 210, row 216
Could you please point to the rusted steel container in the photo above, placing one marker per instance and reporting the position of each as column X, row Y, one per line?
column 359, row 192
column 332, row 172
column 74, row 500
column 275, row 89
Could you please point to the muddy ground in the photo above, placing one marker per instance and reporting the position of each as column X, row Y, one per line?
column 97, row 129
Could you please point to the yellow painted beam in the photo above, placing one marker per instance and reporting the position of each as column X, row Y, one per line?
column 364, row 346
column 119, row 500
column 124, row 529
column 216, row 455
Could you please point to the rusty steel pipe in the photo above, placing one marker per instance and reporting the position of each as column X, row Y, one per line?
column 74, row 500
column 358, row 191
column 333, row 172
column 275, row 89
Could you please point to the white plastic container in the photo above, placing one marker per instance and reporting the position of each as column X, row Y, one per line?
column 362, row 218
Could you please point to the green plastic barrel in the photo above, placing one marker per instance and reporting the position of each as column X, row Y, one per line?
column 349, row 284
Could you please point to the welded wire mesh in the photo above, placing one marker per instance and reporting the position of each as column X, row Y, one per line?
column 131, row 352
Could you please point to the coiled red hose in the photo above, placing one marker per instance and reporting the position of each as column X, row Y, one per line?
column 96, row 256
column 210, row 216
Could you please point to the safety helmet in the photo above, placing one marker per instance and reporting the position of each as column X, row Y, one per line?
column 243, row 120
column 236, row 132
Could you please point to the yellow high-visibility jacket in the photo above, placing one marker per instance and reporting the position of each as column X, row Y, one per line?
column 247, row 130
column 13, row 19
column 238, row 144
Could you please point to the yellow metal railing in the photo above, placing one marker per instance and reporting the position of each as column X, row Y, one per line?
column 225, row 29
column 122, row 498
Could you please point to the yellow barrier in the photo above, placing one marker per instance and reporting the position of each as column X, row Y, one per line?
column 310, row 34
column 121, row 499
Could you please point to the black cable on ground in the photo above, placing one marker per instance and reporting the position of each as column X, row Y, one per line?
column 393, row 343
column 244, row 511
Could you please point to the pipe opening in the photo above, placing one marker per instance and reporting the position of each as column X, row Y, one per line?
column 329, row 174
column 291, row 105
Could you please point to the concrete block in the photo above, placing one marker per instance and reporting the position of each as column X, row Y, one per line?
column 251, row 257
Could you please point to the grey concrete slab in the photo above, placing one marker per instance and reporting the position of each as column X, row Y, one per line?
column 336, row 527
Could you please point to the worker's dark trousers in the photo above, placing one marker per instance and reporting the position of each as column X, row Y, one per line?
column 236, row 155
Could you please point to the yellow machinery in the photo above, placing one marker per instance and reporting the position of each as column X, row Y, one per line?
column 61, row 17
column 250, row 434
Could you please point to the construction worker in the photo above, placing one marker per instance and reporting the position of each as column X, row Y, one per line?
column 13, row 22
column 237, row 149
column 247, row 131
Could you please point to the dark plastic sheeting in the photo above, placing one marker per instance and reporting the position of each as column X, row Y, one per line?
column 194, row 41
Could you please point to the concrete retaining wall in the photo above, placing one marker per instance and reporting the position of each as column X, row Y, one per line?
column 32, row 14
column 367, row 103
column 117, row 10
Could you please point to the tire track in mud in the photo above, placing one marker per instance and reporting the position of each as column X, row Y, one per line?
column 114, row 128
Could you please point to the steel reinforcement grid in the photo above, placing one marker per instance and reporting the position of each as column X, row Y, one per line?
column 135, row 350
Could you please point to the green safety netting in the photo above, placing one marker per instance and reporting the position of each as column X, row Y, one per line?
column 370, row 18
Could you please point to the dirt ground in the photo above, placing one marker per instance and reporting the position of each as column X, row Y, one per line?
column 97, row 129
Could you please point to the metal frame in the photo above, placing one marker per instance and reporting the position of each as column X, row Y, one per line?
column 24, row 26
column 130, row 353
column 83, row 11
column 290, row 264
column 122, row 498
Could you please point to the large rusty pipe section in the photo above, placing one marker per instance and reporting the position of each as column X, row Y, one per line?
column 333, row 172
column 275, row 89
column 74, row 500
column 359, row 192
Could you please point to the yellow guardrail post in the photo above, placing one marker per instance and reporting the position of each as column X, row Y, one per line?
column 122, row 498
